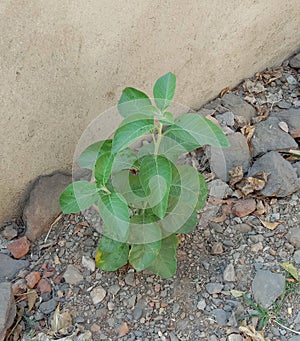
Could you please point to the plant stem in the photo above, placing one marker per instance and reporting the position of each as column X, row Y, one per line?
column 158, row 140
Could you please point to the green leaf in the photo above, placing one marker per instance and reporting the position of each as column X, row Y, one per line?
column 125, row 159
column 78, row 196
column 290, row 269
column 142, row 255
column 156, row 176
column 189, row 225
column 144, row 228
column 193, row 131
column 164, row 90
column 115, row 214
column 167, row 119
column 202, row 193
column 111, row 255
column 130, row 130
column 103, row 168
column 165, row 263
column 89, row 156
column 133, row 102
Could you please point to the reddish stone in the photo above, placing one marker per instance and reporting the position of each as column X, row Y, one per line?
column 19, row 247
column 47, row 274
column 244, row 207
column 44, row 286
column 32, row 279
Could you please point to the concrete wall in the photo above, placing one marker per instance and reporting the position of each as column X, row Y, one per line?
column 64, row 62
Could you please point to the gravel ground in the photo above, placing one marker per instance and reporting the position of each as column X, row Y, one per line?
column 222, row 259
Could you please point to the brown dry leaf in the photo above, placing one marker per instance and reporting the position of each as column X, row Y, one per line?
column 254, row 334
column 123, row 329
column 236, row 175
column 270, row 226
column 17, row 333
column 224, row 91
column 250, row 185
column 60, row 320
column 295, row 133
column 32, row 296
column 248, row 131
column 260, row 208
column 56, row 259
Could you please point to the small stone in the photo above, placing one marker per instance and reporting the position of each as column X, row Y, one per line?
column 98, row 294
column 225, row 119
column 201, row 305
column 9, row 267
column 114, row 289
column 257, row 247
column 95, row 328
column 48, row 307
column 88, row 263
column 293, row 236
column 129, row 278
column 123, row 329
column 220, row 316
column 297, row 256
column 244, row 207
column 9, row 232
column 267, row 287
column 110, row 306
column 43, row 204
column 295, row 61
column 8, row 308
column 214, row 288
column 72, row 275
column 19, row 248
column 291, row 80
column 44, row 286
column 290, row 116
column 217, row 248
column 139, row 310
column 235, row 337
column 229, row 273
column 242, row 228
column 283, row 126
column 32, row 279
column 219, row 189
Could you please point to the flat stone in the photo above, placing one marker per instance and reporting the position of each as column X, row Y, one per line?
column 72, row 275
column 242, row 111
column 223, row 160
column 242, row 228
column 293, row 236
column 201, row 305
column 129, row 278
column 19, row 248
column 295, row 338
column 139, row 309
column 48, row 306
column 8, row 308
column 295, row 61
column 220, row 316
column 244, row 207
column 32, row 279
column 268, row 136
column 290, row 116
column 267, row 287
column 9, row 232
column 297, row 168
column 10, row 267
column 219, row 189
column 229, row 273
column 297, row 256
column 43, row 204
column 225, row 119
column 214, row 288
column 235, row 337
column 98, row 294
column 44, row 286
column 88, row 263
column 283, row 179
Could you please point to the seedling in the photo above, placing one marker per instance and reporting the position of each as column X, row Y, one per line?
column 144, row 198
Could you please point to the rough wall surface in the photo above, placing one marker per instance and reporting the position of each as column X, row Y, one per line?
column 64, row 62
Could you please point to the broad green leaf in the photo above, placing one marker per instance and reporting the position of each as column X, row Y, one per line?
column 142, row 255
column 164, row 90
column 111, row 255
column 202, row 193
column 167, row 119
column 114, row 212
column 165, row 263
column 156, row 176
column 125, row 159
column 130, row 130
column 103, row 168
column 144, row 228
column 193, row 131
column 189, row 225
column 89, row 156
column 78, row 196
column 290, row 269
column 133, row 102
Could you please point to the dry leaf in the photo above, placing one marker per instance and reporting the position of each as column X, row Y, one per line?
column 254, row 334
column 225, row 91
column 290, row 269
column 123, row 329
column 294, row 152
column 283, row 126
column 32, row 296
column 270, row 226
column 237, row 293
column 56, row 260
column 60, row 321
column 253, row 183
column 248, row 131
column 260, row 208
column 236, row 175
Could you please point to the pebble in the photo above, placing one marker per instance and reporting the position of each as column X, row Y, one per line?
column 19, row 248
column 201, row 305
column 88, row 263
column 229, row 273
column 293, row 236
column 10, row 267
column 295, row 61
column 72, row 275
column 129, row 278
column 220, row 316
column 9, row 232
column 214, row 288
column 32, row 279
column 48, row 307
column 217, row 248
column 242, row 228
column 297, row 257
column 244, row 207
column 97, row 295
column 235, row 337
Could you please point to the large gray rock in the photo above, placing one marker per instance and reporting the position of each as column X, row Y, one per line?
column 8, row 308
column 293, row 236
column 10, row 267
column 269, row 136
column 43, row 204
column 296, row 166
column 242, row 111
column 291, row 117
column 295, row 63
column 222, row 160
column 267, row 287
column 283, row 179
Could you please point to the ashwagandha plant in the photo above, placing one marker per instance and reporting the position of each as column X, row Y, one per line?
column 144, row 198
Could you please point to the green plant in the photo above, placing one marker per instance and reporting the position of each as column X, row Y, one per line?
column 144, row 198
